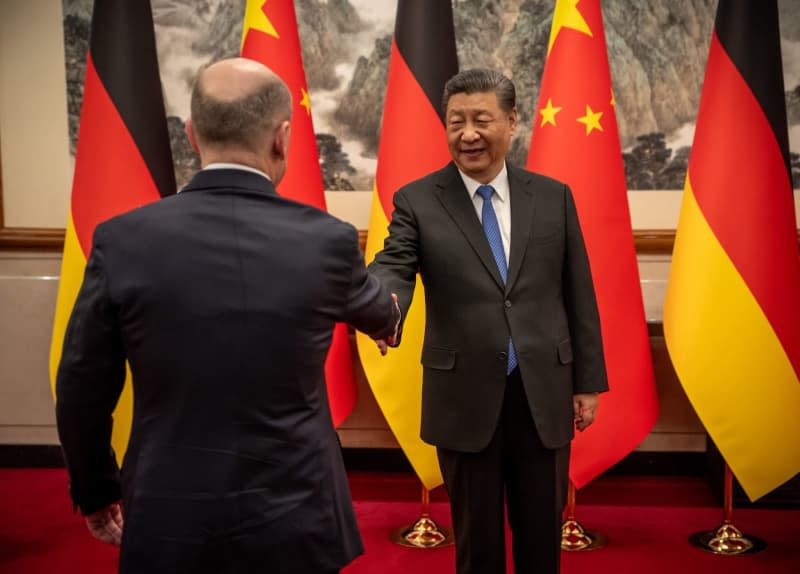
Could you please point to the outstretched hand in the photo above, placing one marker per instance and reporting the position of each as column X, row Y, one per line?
column 106, row 524
column 384, row 344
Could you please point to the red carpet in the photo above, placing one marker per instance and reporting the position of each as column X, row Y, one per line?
column 646, row 520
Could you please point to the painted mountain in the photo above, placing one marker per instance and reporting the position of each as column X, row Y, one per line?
column 657, row 52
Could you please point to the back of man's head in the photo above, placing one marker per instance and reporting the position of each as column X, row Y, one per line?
column 237, row 104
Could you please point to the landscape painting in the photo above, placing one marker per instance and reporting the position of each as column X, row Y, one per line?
column 657, row 52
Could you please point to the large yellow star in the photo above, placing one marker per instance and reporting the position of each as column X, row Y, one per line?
column 305, row 101
column 566, row 15
column 591, row 120
column 549, row 113
column 255, row 18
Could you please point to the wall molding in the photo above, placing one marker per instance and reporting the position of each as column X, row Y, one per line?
column 31, row 239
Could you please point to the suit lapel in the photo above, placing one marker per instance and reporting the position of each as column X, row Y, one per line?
column 455, row 199
column 522, row 207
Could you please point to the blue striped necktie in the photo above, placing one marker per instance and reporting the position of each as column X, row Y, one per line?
column 492, row 231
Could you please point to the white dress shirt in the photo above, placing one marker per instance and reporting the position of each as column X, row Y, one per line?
column 501, row 203
column 222, row 165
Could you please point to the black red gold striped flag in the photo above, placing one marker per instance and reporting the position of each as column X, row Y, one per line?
column 123, row 158
column 413, row 143
column 575, row 140
column 270, row 36
column 732, row 309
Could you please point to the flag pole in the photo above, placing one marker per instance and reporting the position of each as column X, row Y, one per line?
column 726, row 539
column 424, row 533
column 574, row 537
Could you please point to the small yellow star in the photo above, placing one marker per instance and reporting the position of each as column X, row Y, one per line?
column 255, row 18
column 567, row 15
column 549, row 113
column 591, row 120
column 613, row 101
column 305, row 101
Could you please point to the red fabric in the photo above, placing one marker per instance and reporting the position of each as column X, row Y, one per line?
column 749, row 207
column 303, row 179
column 39, row 533
column 410, row 149
column 111, row 177
column 576, row 77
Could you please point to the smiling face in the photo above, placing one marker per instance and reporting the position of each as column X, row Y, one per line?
column 479, row 133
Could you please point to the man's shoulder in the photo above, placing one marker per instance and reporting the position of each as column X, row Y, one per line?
column 142, row 212
column 438, row 178
column 538, row 180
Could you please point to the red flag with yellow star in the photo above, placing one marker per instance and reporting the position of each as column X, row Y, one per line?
column 270, row 36
column 575, row 140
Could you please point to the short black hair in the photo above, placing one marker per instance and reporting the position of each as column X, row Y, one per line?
column 479, row 80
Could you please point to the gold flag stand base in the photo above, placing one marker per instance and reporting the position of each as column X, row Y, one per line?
column 574, row 537
column 424, row 533
column 727, row 540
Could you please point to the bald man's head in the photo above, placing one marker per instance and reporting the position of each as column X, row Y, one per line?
column 237, row 103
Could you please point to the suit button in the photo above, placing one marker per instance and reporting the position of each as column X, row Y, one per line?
column 508, row 304
column 502, row 356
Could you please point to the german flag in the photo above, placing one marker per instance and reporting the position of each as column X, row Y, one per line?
column 123, row 158
column 732, row 309
column 423, row 58
column 270, row 36
column 575, row 140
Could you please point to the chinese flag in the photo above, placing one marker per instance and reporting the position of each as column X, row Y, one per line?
column 123, row 158
column 270, row 37
column 732, row 310
column 423, row 58
column 575, row 140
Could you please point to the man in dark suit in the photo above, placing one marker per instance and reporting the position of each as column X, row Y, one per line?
column 512, row 357
column 222, row 299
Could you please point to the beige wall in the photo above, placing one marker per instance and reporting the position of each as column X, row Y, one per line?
column 28, row 285
column 33, row 114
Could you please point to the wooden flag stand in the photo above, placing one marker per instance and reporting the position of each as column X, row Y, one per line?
column 726, row 539
column 424, row 533
column 574, row 537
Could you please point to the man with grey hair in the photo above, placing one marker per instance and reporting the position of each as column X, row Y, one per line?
column 512, row 357
column 222, row 299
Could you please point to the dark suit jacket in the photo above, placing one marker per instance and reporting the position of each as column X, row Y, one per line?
column 548, row 306
column 223, row 299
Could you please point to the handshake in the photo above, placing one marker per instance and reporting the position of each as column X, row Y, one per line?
column 391, row 341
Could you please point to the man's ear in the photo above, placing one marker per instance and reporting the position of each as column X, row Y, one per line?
column 512, row 118
column 280, row 145
column 189, row 129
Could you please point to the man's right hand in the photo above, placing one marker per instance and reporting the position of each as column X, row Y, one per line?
column 384, row 344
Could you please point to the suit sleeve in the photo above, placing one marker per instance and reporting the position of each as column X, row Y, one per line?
column 369, row 307
column 581, row 304
column 89, row 382
column 396, row 265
